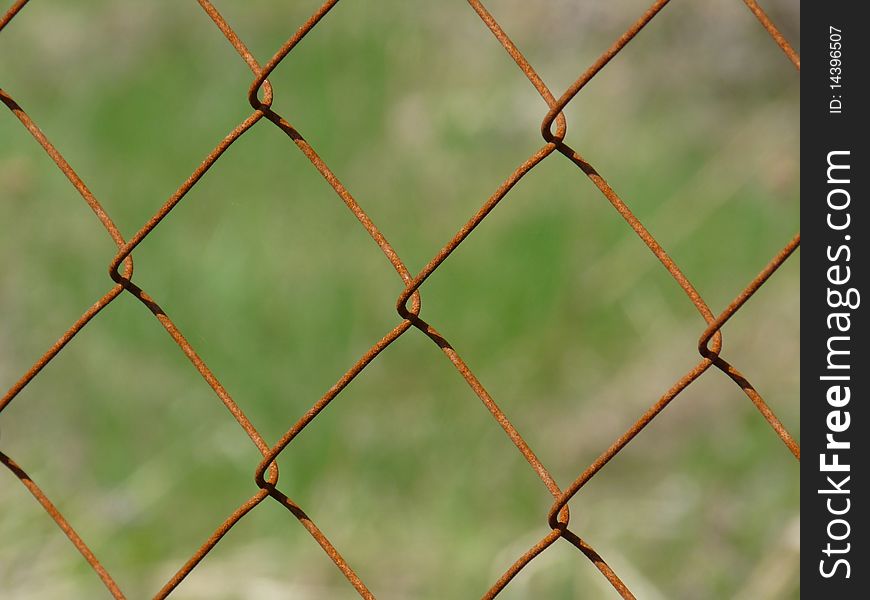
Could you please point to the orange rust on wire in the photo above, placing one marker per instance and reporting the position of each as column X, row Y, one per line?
column 210, row 543
column 61, row 521
column 710, row 343
column 10, row 14
column 691, row 376
column 285, row 49
column 98, row 210
column 745, row 295
column 732, row 372
column 596, row 67
column 765, row 21
column 522, row 63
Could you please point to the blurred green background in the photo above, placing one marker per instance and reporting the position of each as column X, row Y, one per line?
column 561, row 311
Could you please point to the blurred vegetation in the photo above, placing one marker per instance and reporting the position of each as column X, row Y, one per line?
column 560, row 310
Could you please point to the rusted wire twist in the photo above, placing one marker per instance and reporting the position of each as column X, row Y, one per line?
column 260, row 96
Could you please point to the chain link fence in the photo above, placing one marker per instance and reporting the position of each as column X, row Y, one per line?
column 409, row 304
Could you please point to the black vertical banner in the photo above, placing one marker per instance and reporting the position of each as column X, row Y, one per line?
column 834, row 372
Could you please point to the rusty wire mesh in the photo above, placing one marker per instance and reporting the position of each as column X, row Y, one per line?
column 408, row 305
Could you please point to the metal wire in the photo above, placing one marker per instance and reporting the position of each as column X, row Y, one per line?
column 260, row 96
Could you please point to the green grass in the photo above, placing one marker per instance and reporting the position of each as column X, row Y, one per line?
column 559, row 309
